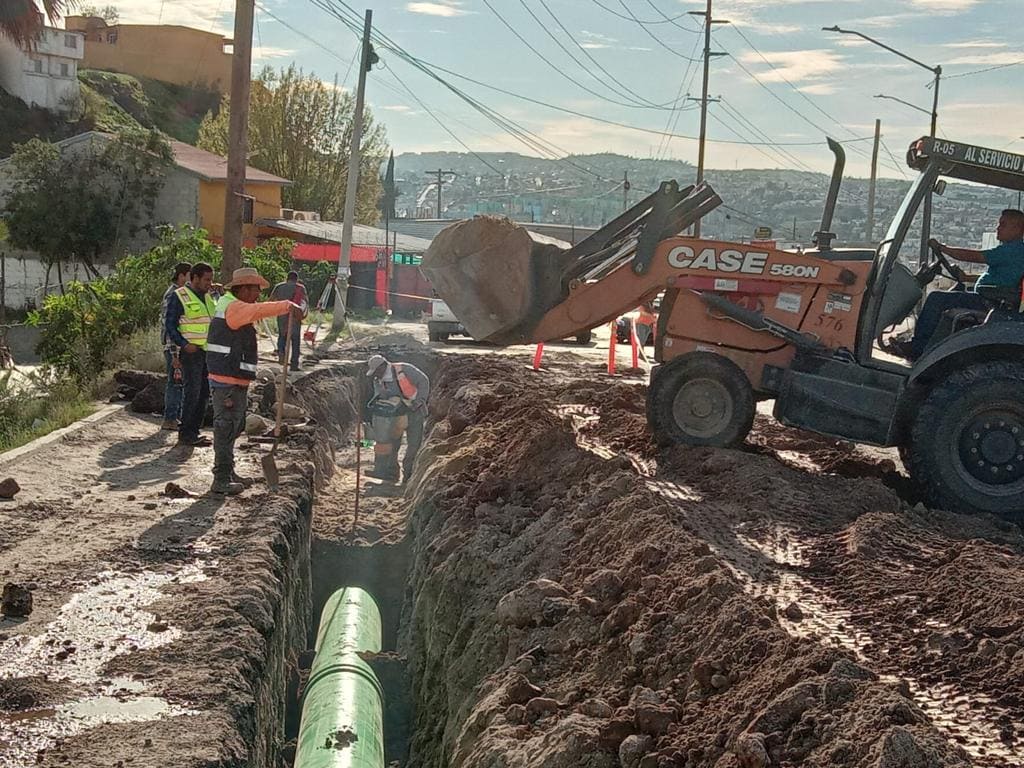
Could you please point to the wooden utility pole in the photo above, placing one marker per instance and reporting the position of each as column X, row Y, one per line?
column 708, row 53
column 352, row 189
column 440, row 173
column 238, row 137
column 874, row 179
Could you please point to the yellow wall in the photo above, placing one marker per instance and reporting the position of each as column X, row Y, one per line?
column 211, row 207
column 169, row 53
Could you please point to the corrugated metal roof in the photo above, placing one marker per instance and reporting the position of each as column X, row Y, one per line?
column 361, row 234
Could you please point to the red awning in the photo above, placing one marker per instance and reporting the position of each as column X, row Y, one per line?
column 331, row 251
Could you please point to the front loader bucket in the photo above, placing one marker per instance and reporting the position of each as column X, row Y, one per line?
column 494, row 275
column 500, row 279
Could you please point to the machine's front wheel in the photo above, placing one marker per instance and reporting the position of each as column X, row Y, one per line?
column 701, row 399
column 967, row 442
column 585, row 337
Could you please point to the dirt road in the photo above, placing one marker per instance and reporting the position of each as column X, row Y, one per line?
column 565, row 591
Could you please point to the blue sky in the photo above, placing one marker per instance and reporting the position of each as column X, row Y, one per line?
column 830, row 77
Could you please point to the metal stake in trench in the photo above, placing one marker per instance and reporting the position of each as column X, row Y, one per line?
column 359, row 464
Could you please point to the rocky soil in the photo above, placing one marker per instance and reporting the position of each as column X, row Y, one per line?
column 580, row 596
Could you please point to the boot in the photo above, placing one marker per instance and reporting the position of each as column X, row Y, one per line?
column 245, row 482
column 225, row 487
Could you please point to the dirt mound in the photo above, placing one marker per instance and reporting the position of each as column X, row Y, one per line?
column 563, row 613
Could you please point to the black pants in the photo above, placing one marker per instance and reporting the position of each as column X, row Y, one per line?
column 413, row 440
column 195, row 393
column 229, row 408
column 282, row 333
column 935, row 305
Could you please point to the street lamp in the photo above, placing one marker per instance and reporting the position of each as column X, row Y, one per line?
column 901, row 101
column 936, row 70
column 926, row 214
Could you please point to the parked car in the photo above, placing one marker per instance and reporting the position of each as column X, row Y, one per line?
column 442, row 323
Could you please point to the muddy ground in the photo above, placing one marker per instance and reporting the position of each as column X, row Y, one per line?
column 560, row 590
column 582, row 597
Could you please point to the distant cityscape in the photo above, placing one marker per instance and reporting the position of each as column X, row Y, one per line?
column 587, row 191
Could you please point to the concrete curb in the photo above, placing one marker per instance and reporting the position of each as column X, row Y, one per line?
column 41, row 442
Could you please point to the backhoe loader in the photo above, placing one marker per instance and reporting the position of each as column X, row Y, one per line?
column 741, row 323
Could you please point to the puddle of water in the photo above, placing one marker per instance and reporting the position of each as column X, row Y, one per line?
column 105, row 620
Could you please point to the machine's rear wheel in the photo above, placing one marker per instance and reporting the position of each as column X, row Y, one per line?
column 967, row 442
column 701, row 399
column 584, row 338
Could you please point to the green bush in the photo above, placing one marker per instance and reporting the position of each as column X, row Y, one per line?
column 83, row 326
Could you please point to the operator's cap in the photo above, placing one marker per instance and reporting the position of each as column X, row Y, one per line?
column 374, row 363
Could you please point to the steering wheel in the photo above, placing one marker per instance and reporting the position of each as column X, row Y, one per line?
column 929, row 272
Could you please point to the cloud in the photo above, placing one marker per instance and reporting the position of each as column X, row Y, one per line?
column 890, row 20
column 267, row 52
column 818, row 89
column 402, row 108
column 989, row 59
column 945, row 6
column 446, row 8
column 208, row 15
column 796, row 65
column 595, row 40
column 975, row 44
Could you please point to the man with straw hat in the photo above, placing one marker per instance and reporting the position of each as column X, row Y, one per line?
column 231, row 351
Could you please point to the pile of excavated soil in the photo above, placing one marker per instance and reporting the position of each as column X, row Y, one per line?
column 564, row 612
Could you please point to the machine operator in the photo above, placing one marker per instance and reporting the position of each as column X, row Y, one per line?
column 1005, row 269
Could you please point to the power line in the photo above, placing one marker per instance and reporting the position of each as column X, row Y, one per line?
column 554, row 66
column 898, row 166
column 427, row 68
column 589, row 55
column 986, row 69
column 650, row 34
column 613, row 12
column 674, row 21
column 673, row 120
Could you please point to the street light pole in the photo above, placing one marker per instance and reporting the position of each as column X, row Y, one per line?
column 926, row 213
column 904, row 103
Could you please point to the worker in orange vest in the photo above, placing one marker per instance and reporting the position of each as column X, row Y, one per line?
column 645, row 322
column 411, row 385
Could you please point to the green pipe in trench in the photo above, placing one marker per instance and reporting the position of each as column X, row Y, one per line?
column 343, row 705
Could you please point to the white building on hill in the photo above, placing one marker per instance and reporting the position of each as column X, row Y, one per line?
column 46, row 76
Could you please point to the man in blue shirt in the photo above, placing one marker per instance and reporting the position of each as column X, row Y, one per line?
column 1005, row 269
column 172, row 394
column 189, row 334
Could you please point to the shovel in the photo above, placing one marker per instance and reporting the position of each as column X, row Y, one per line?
column 270, row 473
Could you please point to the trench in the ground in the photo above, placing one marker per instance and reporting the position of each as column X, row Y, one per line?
column 341, row 558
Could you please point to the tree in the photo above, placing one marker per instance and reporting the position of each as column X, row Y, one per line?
column 21, row 20
column 77, row 204
column 109, row 13
column 300, row 128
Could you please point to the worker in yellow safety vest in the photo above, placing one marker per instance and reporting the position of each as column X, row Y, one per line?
column 411, row 385
column 187, row 323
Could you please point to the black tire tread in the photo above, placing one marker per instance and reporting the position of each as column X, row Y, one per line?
column 944, row 397
column 663, row 390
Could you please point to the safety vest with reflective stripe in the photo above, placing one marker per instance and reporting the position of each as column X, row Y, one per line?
column 406, row 388
column 228, row 352
column 194, row 323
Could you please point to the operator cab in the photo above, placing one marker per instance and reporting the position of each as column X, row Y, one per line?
column 894, row 290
